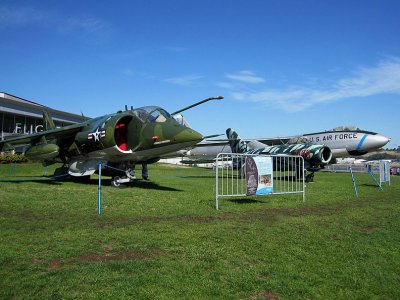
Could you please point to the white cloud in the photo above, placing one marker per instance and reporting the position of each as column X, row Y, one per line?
column 224, row 85
column 380, row 79
column 86, row 24
column 245, row 76
column 188, row 80
column 20, row 17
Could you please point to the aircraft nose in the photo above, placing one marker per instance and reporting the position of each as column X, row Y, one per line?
column 379, row 141
column 188, row 135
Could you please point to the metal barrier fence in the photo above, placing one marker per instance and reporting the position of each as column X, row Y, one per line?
column 381, row 167
column 281, row 174
column 357, row 168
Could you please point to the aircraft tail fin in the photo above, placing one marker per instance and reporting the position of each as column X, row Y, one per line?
column 48, row 121
column 237, row 145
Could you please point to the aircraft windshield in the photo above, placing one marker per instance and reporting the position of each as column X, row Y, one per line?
column 157, row 116
column 298, row 140
column 152, row 114
column 181, row 120
column 345, row 128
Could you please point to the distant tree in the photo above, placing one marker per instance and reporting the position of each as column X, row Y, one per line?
column 378, row 156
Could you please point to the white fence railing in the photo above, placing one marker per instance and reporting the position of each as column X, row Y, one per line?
column 239, row 175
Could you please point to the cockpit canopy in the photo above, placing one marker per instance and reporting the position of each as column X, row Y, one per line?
column 152, row 114
column 345, row 128
column 298, row 140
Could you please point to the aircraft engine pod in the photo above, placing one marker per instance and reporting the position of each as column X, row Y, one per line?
column 42, row 152
column 326, row 155
column 312, row 154
column 319, row 155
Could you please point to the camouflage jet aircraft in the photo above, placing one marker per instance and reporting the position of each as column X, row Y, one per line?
column 118, row 140
column 314, row 155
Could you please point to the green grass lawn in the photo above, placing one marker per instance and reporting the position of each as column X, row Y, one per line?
column 163, row 239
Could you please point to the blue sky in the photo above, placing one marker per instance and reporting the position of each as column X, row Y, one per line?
column 284, row 67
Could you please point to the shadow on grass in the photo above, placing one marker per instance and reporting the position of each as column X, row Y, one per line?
column 44, row 180
column 144, row 184
column 370, row 184
column 105, row 182
column 288, row 178
column 190, row 176
column 244, row 200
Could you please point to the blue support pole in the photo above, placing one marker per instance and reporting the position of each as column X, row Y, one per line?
column 354, row 181
column 99, row 192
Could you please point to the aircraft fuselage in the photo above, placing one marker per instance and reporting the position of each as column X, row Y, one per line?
column 345, row 143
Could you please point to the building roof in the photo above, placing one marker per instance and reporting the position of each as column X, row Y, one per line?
column 17, row 105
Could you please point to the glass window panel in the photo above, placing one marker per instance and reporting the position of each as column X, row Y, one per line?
column 8, row 123
column 1, row 122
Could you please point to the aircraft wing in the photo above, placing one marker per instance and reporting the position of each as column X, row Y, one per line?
column 57, row 133
column 272, row 141
column 195, row 161
column 264, row 141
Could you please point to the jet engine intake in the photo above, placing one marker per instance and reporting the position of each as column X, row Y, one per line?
column 326, row 155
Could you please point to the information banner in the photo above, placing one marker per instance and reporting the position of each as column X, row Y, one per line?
column 384, row 171
column 259, row 175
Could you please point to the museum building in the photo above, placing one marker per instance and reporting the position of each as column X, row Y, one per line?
column 21, row 116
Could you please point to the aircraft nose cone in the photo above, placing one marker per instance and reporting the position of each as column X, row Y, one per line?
column 380, row 140
column 188, row 135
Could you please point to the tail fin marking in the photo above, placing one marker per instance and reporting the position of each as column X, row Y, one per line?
column 237, row 145
column 48, row 121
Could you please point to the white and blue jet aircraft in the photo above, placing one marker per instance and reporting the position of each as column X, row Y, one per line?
column 344, row 141
column 347, row 141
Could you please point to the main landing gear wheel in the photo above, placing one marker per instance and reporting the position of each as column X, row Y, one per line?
column 119, row 182
column 115, row 182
